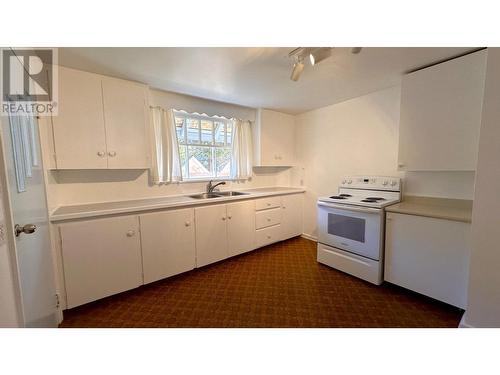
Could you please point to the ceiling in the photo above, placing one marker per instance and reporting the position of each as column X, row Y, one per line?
column 257, row 77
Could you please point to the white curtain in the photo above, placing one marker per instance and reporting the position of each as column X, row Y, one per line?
column 166, row 166
column 242, row 150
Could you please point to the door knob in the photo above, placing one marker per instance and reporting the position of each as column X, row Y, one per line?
column 26, row 229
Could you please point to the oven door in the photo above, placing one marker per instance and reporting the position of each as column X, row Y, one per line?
column 350, row 228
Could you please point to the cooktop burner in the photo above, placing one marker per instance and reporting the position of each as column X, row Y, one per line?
column 375, row 198
column 345, row 195
column 338, row 197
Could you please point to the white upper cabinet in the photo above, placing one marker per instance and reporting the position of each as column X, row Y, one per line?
column 78, row 128
column 441, row 114
column 273, row 138
column 101, row 122
column 125, row 116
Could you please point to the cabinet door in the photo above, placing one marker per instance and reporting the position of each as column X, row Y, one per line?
column 125, row 115
column 291, row 215
column 211, row 237
column 168, row 243
column 441, row 114
column 101, row 257
column 429, row 256
column 275, row 139
column 79, row 136
column 240, row 227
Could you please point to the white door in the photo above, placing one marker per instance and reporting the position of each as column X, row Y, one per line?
column 291, row 215
column 79, row 136
column 101, row 257
column 240, row 227
column 125, row 115
column 21, row 150
column 168, row 243
column 211, row 237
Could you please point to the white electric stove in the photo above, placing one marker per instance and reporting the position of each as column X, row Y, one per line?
column 351, row 225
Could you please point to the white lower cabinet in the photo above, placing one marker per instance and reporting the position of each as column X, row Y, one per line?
column 211, row 234
column 168, row 243
column 429, row 256
column 101, row 257
column 106, row 256
column 240, row 227
column 291, row 215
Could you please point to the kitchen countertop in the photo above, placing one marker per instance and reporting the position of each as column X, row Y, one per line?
column 119, row 207
column 439, row 208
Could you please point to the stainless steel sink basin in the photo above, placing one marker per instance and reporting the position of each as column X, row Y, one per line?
column 205, row 196
column 230, row 193
column 217, row 194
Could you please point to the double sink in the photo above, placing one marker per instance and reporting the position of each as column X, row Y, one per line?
column 217, row 194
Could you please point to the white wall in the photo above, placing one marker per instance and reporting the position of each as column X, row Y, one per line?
column 356, row 137
column 87, row 186
column 484, row 275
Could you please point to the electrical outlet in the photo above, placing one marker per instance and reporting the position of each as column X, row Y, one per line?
column 3, row 238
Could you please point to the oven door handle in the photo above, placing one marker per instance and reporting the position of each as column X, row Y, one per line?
column 351, row 208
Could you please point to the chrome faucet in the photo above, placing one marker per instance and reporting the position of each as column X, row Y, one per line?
column 210, row 187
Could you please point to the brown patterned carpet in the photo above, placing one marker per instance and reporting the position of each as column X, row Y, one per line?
column 280, row 285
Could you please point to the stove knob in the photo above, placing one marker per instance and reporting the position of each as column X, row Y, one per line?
column 349, row 182
column 385, row 182
column 393, row 183
column 343, row 181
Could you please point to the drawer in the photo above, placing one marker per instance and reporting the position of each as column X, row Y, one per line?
column 268, row 235
column 265, row 203
column 267, row 218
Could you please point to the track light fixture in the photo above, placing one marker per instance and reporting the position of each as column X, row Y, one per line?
column 298, row 67
column 315, row 55
column 319, row 54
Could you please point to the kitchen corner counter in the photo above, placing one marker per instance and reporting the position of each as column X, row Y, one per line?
column 439, row 208
column 89, row 210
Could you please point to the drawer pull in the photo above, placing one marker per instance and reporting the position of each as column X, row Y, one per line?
column 268, row 237
column 187, row 223
column 131, row 233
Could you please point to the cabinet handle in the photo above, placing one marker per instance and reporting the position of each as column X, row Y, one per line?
column 268, row 237
column 268, row 204
column 187, row 223
column 229, row 217
column 401, row 165
column 223, row 218
column 268, row 219
column 101, row 153
column 131, row 233
column 284, row 207
column 112, row 153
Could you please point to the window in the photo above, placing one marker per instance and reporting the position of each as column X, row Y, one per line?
column 204, row 145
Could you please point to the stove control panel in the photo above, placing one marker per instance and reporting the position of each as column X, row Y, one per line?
column 372, row 182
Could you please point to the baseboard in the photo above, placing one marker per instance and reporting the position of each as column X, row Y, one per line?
column 463, row 323
column 309, row 237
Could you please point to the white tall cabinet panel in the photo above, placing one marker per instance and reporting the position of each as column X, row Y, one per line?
column 273, row 138
column 240, row 227
column 125, row 116
column 441, row 114
column 168, row 243
column 291, row 215
column 79, row 135
column 429, row 256
column 211, row 234
column 101, row 257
